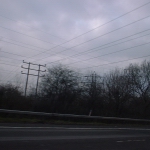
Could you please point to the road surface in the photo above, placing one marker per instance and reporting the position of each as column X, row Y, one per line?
column 44, row 137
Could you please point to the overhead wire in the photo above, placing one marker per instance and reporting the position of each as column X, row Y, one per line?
column 6, row 61
column 29, row 36
column 98, row 27
column 14, row 54
column 20, row 45
column 11, row 58
column 112, row 52
column 5, row 70
column 23, row 43
column 95, row 37
column 13, row 70
column 115, row 52
column 101, row 46
column 8, row 76
column 116, row 62
column 8, row 64
column 24, row 47
column 26, row 35
column 97, row 48
column 30, row 26
column 89, row 30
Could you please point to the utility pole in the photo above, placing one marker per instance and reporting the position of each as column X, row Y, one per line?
column 38, row 75
column 93, row 90
column 27, row 75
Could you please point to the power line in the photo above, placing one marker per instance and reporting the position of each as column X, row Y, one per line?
column 31, row 27
column 91, row 29
column 13, row 54
column 11, row 58
column 96, row 48
column 24, row 43
column 21, row 45
column 39, row 65
column 24, row 47
column 6, row 71
column 29, row 36
column 12, row 81
column 108, row 22
column 9, row 64
column 16, row 54
column 110, row 53
column 100, row 55
column 102, row 25
column 26, row 35
column 13, row 70
column 4, row 61
column 117, row 62
column 3, row 70
column 94, row 38
column 96, row 27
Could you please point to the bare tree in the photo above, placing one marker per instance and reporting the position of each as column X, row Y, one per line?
column 116, row 91
column 139, row 77
column 92, row 91
column 60, row 87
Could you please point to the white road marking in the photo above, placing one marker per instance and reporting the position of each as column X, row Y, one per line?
column 73, row 128
column 69, row 137
column 143, row 140
column 119, row 141
column 138, row 140
column 129, row 140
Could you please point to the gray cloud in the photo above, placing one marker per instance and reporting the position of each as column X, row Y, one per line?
column 38, row 26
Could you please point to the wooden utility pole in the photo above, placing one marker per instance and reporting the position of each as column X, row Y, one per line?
column 38, row 75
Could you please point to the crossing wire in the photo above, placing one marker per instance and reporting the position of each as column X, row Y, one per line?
column 23, row 47
column 30, row 26
column 96, row 48
column 117, row 62
column 89, row 30
column 100, row 26
column 110, row 53
column 95, row 37
column 97, row 27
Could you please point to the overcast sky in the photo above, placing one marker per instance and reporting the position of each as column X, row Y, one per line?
column 86, row 35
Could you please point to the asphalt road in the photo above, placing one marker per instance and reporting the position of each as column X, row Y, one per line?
column 39, row 137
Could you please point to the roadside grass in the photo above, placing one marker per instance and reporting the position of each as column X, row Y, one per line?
column 44, row 121
column 18, row 120
column 34, row 120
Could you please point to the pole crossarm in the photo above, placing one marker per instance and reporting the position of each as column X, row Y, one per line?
column 32, row 74
column 33, row 69
column 34, row 64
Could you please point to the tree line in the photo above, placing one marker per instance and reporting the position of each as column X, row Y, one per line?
column 119, row 93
